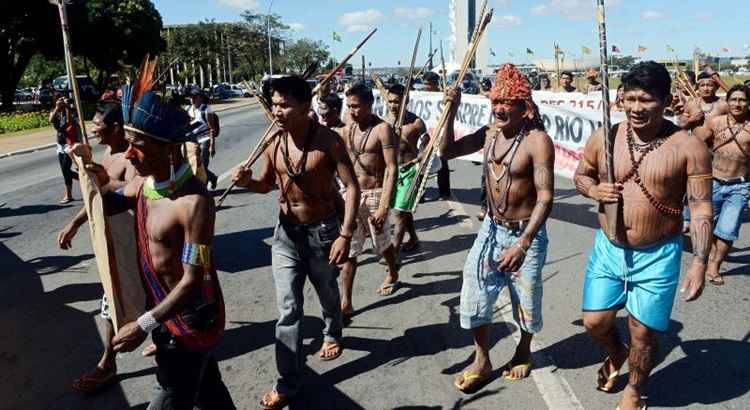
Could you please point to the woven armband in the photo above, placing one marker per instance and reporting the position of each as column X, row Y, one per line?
column 197, row 255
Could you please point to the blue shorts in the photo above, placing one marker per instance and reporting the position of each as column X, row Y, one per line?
column 729, row 205
column 482, row 282
column 644, row 281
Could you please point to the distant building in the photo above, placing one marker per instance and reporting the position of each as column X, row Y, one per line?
column 463, row 16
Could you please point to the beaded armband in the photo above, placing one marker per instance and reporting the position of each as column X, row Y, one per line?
column 197, row 255
column 701, row 176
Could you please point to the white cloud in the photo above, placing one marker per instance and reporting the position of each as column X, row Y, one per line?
column 358, row 27
column 650, row 15
column 414, row 14
column 571, row 9
column 296, row 26
column 359, row 18
column 240, row 4
column 540, row 10
column 508, row 21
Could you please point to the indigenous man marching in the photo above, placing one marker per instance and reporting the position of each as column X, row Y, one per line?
column 411, row 131
column 372, row 147
column 329, row 111
column 174, row 230
column 511, row 246
column 309, row 242
column 655, row 165
column 108, row 126
column 728, row 136
column 706, row 106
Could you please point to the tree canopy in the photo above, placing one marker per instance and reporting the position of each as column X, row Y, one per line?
column 110, row 34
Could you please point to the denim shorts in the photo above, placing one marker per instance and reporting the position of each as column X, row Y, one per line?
column 482, row 282
column 729, row 205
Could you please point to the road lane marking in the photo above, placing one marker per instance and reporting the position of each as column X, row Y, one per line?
column 553, row 387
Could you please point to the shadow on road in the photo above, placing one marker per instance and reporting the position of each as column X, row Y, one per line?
column 243, row 251
column 30, row 210
column 46, row 344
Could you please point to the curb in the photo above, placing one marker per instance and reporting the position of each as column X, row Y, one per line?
column 52, row 145
column 28, row 150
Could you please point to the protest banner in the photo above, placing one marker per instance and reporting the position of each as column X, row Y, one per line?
column 570, row 119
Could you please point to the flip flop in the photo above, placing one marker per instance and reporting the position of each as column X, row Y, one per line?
column 605, row 379
column 643, row 407
column 508, row 370
column 391, row 288
column 276, row 401
column 473, row 379
column 94, row 380
column 330, row 346
column 65, row 201
column 717, row 280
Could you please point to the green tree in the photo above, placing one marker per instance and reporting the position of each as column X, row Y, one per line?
column 300, row 54
column 109, row 34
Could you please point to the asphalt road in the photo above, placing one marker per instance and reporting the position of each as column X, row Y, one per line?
column 402, row 351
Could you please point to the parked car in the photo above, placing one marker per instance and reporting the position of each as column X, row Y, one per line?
column 23, row 95
column 85, row 85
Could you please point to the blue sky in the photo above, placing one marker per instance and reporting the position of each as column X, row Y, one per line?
column 517, row 24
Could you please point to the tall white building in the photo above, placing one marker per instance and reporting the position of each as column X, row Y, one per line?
column 463, row 16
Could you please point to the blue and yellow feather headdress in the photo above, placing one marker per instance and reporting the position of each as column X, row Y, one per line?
column 144, row 112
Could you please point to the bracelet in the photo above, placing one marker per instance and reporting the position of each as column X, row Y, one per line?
column 147, row 322
column 520, row 247
column 345, row 236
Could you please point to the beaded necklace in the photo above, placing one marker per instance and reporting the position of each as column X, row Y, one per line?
column 160, row 190
column 489, row 159
column 356, row 152
column 635, row 174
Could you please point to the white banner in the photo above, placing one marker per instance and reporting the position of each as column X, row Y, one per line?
column 570, row 118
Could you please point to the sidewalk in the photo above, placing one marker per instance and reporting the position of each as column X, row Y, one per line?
column 43, row 138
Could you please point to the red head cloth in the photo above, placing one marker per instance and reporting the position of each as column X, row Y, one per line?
column 510, row 84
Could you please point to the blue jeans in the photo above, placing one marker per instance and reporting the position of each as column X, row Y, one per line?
column 482, row 282
column 300, row 252
column 206, row 159
column 729, row 205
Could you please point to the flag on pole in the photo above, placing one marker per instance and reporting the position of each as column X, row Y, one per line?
column 585, row 50
column 642, row 49
column 670, row 49
column 615, row 49
column 726, row 50
column 336, row 37
column 492, row 52
column 531, row 52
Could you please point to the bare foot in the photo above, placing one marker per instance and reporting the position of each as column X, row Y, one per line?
column 389, row 286
column 274, row 400
column 630, row 400
column 330, row 351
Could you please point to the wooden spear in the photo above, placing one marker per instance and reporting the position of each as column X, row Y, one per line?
column 343, row 62
column 416, row 190
column 402, row 109
column 611, row 210
column 69, row 62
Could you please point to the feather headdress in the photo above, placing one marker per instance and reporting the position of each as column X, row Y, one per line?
column 144, row 112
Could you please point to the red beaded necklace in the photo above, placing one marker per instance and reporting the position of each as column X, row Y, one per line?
column 635, row 174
